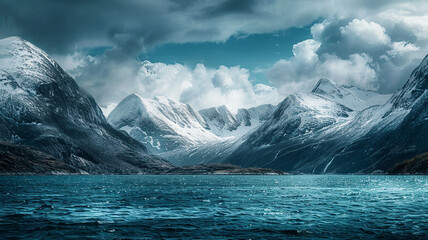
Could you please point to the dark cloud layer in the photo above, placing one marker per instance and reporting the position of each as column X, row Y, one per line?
column 230, row 7
column 61, row 26
column 65, row 28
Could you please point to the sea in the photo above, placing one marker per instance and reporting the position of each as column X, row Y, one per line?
column 214, row 207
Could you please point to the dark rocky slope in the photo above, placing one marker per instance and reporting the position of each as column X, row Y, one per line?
column 416, row 165
column 16, row 159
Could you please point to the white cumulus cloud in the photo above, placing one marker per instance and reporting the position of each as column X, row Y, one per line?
column 356, row 52
column 362, row 32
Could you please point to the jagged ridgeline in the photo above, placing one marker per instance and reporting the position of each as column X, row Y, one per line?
column 42, row 107
column 332, row 129
column 179, row 133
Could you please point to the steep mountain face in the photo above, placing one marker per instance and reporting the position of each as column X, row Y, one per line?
column 222, row 122
column 209, row 153
column 44, row 108
column 397, row 130
column 339, row 129
column 220, row 119
column 162, row 124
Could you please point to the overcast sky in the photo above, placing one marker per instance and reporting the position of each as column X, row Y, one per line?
column 241, row 53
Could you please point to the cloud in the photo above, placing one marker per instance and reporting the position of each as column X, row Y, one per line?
column 109, row 81
column 401, row 48
column 362, row 32
column 61, row 26
column 410, row 21
column 379, row 41
column 356, row 52
column 227, row 86
column 306, row 67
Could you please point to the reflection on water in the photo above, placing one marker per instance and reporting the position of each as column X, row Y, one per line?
column 141, row 207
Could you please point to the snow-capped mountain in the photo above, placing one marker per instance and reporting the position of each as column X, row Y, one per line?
column 162, row 124
column 43, row 107
column 229, row 127
column 326, row 132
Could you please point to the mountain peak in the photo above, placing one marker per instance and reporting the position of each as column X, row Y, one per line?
column 132, row 96
column 25, row 61
column 326, row 86
column 130, row 107
column 43, row 107
column 161, row 123
column 11, row 39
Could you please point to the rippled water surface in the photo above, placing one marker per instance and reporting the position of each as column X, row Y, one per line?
column 256, row 207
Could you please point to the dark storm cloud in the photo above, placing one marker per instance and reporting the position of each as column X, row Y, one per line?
column 231, row 7
column 58, row 26
column 61, row 26
column 66, row 29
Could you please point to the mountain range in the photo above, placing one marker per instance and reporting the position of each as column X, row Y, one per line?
column 48, row 124
column 324, row 132
column 332, row 129
column 173, row 129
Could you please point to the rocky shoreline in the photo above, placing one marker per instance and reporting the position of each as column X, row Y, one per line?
column 417, row 165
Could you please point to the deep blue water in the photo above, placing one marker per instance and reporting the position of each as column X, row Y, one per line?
column 231, row 207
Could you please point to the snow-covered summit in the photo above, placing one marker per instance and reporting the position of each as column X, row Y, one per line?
column 28, row 64
column 326, row 86
column 300, row 114
column 163, row 124
column 29, row 77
